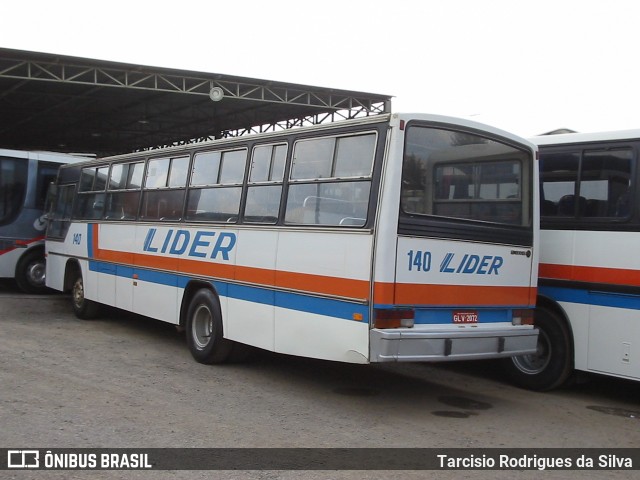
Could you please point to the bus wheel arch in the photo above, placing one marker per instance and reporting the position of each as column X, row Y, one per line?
column 30, row 271
column 553, row 363
column 83, row 308
column 190, row 290
column 202, row 320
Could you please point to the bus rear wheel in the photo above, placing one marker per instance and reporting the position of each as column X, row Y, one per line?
column 83, row 308
column 30, row 272
column 552, row 364
column 204, row 329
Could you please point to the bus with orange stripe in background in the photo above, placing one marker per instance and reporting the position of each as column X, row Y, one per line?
column 589, row 285
column 390, row 238
column 24, row 179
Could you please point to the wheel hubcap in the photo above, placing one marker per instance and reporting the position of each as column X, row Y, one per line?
column 36, row 274
column 202, row 326
column 535, row 363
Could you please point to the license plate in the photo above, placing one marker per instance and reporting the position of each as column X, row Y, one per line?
column 465, row 317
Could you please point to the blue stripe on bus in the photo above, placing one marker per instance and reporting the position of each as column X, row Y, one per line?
column 288, row 300
column 590, row 297
column 296, row 301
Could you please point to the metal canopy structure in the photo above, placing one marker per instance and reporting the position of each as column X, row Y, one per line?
column 70, row 104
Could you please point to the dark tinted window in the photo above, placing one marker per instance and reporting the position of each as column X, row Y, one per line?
column 464, row 176
column 13, row 187
column 586, row 183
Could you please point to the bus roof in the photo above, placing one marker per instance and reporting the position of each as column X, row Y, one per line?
column 394, row 119
column 569, row 138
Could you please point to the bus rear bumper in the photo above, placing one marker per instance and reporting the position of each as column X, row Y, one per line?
column 412, row 345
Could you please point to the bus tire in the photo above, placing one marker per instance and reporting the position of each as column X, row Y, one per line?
column 204, row 329
column 84, row 308
column 30, row 272
column 552, row 364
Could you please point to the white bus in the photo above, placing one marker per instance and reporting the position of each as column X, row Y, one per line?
column 589, row 287
column 24, row 179
column 386, row 239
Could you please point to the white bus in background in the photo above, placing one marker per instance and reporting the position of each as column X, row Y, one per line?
column 24, row 179
column 589, row 288
column 386, row 239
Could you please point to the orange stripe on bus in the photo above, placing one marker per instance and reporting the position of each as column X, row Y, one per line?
column 384, row 292
column 462, row 295
column 458, row 295
column 343, row 287
column 619, row 276
column 94, row 237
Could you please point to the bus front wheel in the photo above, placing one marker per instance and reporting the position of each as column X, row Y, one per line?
column 204, row 329
column 84, row 308
column 552, row 364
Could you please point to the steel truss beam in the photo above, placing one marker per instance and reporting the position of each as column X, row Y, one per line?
column 193, row 85
column 50, row 101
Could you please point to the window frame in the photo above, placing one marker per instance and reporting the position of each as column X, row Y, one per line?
column 126, row 190
column 83, row 196
column 296, row 183
column 209, row 217
column 176, row 214
column 579, row 221
column 240, row 189
column 65, row 219
column 469, row 229
column 268, row 184
column 523, row 200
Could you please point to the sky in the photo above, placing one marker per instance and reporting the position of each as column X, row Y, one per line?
column 526, row 66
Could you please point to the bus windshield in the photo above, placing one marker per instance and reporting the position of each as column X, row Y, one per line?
column 13, row 181
column 460, row 175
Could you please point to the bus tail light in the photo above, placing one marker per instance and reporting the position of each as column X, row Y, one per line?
column 522, row 317
column 393, row 318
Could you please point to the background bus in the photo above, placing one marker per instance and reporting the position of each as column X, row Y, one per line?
column 390, row 238
column 24, row 179
column 589, row 287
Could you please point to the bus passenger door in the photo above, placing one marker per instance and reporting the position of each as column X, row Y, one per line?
column 154, row 276
column 250, row 307
column 107, row 250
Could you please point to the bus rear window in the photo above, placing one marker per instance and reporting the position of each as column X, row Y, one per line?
column 464, row 176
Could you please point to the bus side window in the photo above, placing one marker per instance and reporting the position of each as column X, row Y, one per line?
column 216, row 186
column 567, row 206
column 548, row 208
column 604, row 182
column 623, row 205
column 164, row 189
column 264, row 189
column 331, row 180
column 90, row 206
